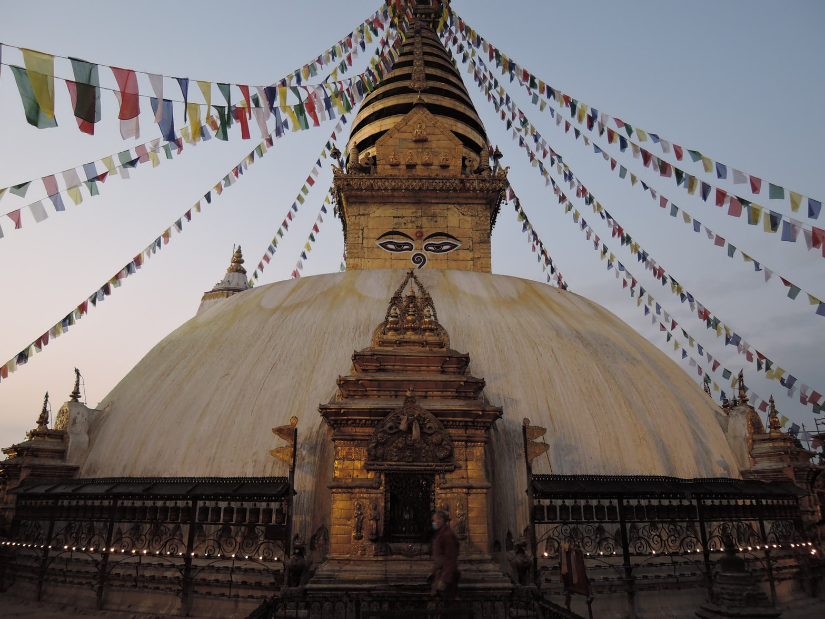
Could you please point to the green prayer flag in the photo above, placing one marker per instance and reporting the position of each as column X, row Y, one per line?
column 300, row 199
column 92, row 187
column 726, row 374
column 304, row 190
column 793, row 292
column 669, row 336
column 311, row 237
column 629, row 130
column 124, row 157
column 731, row 250
column 695, row 155
column 168, row 150
column 775, row 192
column 21, row 189
column 680, row 176
column 533, row 83
column 759, row 365
column 34, row 114
column 673, row 209
column 221, row 133
column 622, row 172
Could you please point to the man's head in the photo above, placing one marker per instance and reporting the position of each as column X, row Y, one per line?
column 440, row 518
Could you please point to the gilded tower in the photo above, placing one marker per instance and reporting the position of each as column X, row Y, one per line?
column 419, row 188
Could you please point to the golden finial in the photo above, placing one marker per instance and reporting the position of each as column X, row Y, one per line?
column 74, row 396
column 43, row 420
column 773, row 418
column 237, row 262
column 409, row 397
column 743, row 398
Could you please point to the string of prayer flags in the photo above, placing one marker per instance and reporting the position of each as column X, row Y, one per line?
column 658, row 315
column 677, row 289
column 62, row 326
column 813, row 239
column 296, row 204
column 35, row 83
column 542, row 256
column 299, row 266
column 542, row 92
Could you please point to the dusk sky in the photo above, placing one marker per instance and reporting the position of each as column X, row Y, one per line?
column 741, row 81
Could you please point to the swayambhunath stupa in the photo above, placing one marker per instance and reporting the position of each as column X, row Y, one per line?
column 238, row 471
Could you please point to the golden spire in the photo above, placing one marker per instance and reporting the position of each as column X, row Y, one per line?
column 237, row 262
column 43, row 420
column 75, row 394
column 743, row 398
column 774, row 425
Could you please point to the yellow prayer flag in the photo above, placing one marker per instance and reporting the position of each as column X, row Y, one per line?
column 633, row 179
column 707, row 164
column 40, row 68
column 642, row 135
column 75, row 195
column 715, row 387
column 293, row 120
column 746, row 257
column 153, row 157
column 580, row 114
column 766, row 224
column 675, row 344
column 812, row 299
column 796, row 200
column 110, row 165
column 194, row 111
column 197, row 206
column 692, row 184
column 206, row 89
column 686, row 217
column 282, row 97
column 184, row 133
column 308, row 247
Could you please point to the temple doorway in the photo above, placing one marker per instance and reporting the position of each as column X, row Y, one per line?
column 410, row 500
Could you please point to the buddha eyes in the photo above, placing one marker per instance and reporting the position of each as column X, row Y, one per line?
column 396, row 246
column 440, row 247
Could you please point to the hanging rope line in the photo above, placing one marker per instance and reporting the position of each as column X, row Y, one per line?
column 541, row 88
column 761, row 361
column 299, row 266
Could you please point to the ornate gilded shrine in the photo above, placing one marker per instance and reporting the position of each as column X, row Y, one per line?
column 410, row 431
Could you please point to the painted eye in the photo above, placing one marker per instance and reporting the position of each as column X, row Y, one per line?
column 396, row 246
column 440, row 247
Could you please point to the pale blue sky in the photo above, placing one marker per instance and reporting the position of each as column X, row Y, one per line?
column 742, row 81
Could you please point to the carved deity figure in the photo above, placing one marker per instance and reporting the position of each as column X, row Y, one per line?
column 297, row 565
column 375, row 518
column 394, row 159
column 420, row 133
column 445, row 160
column 427, row 158
column 521, row 562
column 409, row 158
column 358, row 520
column 460, row 521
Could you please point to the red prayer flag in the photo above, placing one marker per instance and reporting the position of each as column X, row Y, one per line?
column 612, row 164
column 814, row 397
column 310, row 180
column 678, row 151
column 646, row 158
column 756, row 184
column 619, row 122
column 245, row 93
column 735, row 207
column 129, row 94
column 84, row 125
column 763, row 406
column 662, row 201
column 244, row 125
column 15, row 217
column 720, row 197
column 719, row 241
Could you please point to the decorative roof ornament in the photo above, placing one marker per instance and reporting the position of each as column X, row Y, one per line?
column 743, row 397
column 706, row 389
column 774, row 425
column 237, row 262
column 411, row 320
column 75, row 394
column 43, row 420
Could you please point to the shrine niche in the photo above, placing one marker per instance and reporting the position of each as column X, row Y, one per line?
column 410, row 431
column 410, row 438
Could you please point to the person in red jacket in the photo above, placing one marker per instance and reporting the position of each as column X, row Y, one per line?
column 445, row 574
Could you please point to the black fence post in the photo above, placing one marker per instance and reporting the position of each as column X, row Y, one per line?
column 628, row 566
column 44, row 560
column 187, row 585
column 768, row 560
column 104, row 560
column 703, row 535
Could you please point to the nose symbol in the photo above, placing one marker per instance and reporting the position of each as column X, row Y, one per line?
column 419, row 259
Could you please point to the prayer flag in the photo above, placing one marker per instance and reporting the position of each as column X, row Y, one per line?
column 85, row 94
column 40, row 68
column 35, row 116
